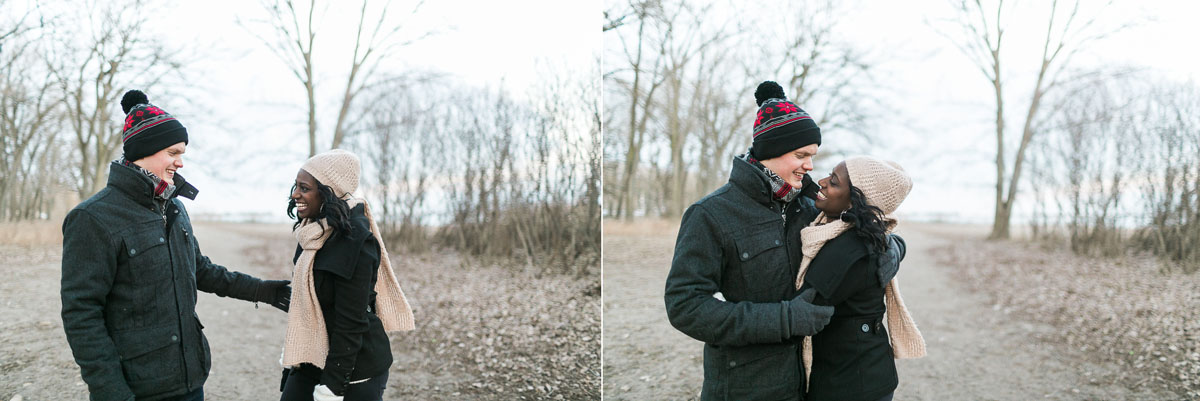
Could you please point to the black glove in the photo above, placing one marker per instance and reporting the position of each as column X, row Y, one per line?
column 888, row 262
column 809, row 188
column 804, row 318
column 277, row 293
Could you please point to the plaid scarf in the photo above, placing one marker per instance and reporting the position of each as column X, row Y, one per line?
column 162, row 188
column 779, row 187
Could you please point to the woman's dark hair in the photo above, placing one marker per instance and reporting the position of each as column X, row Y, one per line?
column 334, row 210
column 868, row 221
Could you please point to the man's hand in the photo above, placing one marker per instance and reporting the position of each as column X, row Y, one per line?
column 804, row 318
column 888, row 262
column 277, row 293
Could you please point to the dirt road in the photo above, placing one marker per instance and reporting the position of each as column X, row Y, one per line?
column 37, row 363
column 974, row 351
column 484, row 332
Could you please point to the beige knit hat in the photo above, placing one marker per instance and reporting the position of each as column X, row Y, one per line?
column 883, row 182
column 336, row 168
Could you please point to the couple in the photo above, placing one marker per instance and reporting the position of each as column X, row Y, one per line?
column 131, row 267
column 785, row 280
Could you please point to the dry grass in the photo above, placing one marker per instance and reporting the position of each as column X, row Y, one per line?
column 31, row 233
column 1128, row 310
column 641, row 227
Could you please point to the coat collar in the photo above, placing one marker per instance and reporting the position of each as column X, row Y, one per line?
column 339, row 254
column 141, row 188
column 752, row 181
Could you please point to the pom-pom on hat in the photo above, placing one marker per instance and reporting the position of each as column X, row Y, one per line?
column 884, row 182
column 781, row 126
column 148, row 129
column 337, row 169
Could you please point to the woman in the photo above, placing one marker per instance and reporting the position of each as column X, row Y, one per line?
column 852, row 357
column 345, row 294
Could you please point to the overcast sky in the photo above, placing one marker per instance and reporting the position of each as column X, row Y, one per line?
column 945, row 134
column 246, row 115
column 941, row 122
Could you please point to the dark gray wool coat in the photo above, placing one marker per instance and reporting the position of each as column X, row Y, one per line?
column 740, row 242
column 130, row 270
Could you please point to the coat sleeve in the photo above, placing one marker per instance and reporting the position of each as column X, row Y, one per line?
column 348, row 323
column 89, row 266
column 695, row 276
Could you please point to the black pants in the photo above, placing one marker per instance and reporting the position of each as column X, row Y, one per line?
column 300, row 388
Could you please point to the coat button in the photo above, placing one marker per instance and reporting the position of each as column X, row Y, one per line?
column 133, row 252
column 732, row 363
column 776, row 242
column 745, row 255
column 162, row 240
column 174, row 338
column 866, row 328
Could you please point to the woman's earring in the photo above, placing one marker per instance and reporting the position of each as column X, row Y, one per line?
column 322, row 210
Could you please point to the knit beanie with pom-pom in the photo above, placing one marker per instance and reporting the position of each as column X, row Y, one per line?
column 148, row 129
column 781, row 126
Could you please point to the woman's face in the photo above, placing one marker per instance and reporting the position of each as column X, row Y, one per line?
column 306, row 195
column 834, row 196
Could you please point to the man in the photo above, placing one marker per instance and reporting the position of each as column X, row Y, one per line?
column 131, row 267
column 742, row 243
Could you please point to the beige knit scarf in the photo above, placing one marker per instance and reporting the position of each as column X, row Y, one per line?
column 902, row 330
column 306, row 340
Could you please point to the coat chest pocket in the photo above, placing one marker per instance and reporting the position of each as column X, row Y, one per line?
column 762, row 259
column 758, row 242
column 148, row 256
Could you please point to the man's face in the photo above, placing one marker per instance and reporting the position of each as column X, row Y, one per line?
column 792, row 166
column 164, row 163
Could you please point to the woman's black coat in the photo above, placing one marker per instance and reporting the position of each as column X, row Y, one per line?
column 344, row 274
column 852, row 358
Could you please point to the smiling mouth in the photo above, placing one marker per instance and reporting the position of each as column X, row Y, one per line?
column 821, row 196
column 300, row 207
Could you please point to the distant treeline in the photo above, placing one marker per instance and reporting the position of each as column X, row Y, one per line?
column 476, row 170
column 1118, row 170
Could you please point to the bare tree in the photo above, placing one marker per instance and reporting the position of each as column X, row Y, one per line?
column 295, row 36
column 823, row 74
column 1168, row 132
column 681, row 48
column 683, row 88
column 399, row 141
column 980, row 35
column 92, row 72
column 641, row 88
column 29, row 141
